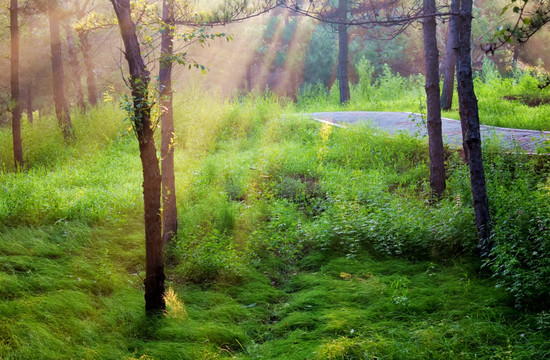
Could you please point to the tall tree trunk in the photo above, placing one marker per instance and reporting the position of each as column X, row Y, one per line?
column 86, row 56
column 14, row 82
column 437, row 160
column 89, row 66
column 28, row 105
column 139, row 82
column 59, row 98
column 343, row 52
column 73, row 62
column 469, row 118
column 169, row 209
column 448, row 72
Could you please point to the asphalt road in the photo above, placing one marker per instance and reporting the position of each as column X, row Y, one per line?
column 532, row 141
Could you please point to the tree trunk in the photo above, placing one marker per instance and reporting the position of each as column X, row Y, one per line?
column 85, row 49
column 448, row 73
column 73, row 62
column 169, row 209
column 60, row 100
column 139, row 82
column 343, row 51
column 28, row 105
column 469, row 118
column 14, row 82
column 437, row 160
column 89, row 65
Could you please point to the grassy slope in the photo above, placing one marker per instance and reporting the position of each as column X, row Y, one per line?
column 279, row 259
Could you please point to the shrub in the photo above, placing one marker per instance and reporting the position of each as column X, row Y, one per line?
column 520, row 259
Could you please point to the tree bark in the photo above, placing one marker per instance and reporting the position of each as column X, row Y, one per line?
column 14, row 82
column 139, row 82
column 343, row 52
column 60, row 100
column 437, row 160
column 469, row 118
column 448, row 73
column 73, row 62
column 169, row 208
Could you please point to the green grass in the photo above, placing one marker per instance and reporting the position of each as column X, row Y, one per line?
column 391, row 92
column 297, row 241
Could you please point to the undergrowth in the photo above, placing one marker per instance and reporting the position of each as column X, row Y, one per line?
column 297, row 240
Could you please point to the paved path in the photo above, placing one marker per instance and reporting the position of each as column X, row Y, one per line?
column 394, row 122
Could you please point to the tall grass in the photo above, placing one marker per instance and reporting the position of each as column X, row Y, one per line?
column 43, row 144
column 92, row 179
column 297, row 240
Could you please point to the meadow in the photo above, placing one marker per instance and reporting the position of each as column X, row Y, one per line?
column 297, row 240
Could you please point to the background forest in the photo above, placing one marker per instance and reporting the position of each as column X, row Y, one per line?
column 295, row 239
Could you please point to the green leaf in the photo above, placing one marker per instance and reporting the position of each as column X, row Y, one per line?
column 504, row 9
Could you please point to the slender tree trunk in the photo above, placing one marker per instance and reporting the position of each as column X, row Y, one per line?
column 139, row 82
column 169, row 209
column 343, row 52
column 88, row 62
column 89, row 66
column 437, row 160
column 448, row 73
column 60, row 100
column 15, row 96
column 469, row 118
column 73, row 62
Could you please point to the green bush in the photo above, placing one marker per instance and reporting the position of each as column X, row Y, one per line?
column 520, row 259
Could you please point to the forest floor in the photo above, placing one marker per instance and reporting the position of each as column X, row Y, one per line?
column 532, row 141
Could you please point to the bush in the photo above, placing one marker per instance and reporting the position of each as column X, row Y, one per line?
column 520, row 259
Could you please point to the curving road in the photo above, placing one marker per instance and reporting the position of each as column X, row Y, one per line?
column 394, row 122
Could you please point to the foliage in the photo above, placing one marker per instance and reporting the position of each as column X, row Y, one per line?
column 365, row 87
column 319, row 62
column 530, row 17
column 520, row 258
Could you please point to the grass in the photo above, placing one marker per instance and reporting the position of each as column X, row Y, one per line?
column 297, row 241
column 391, row 92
